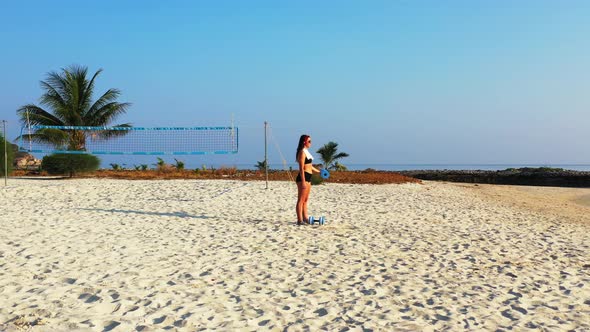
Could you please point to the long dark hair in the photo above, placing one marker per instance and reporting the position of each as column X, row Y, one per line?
column 302, row 141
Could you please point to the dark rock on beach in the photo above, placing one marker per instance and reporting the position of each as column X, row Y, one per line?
column 542, row 176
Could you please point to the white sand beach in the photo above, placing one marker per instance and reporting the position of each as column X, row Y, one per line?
column 189, row 255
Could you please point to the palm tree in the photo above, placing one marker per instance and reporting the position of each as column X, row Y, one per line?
column 328, row 154
column 261, row 165
column 68, row 97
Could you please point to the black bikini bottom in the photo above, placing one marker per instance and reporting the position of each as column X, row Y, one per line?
column 307, row 177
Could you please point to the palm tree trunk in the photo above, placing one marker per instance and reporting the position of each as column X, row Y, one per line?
column 77, row 141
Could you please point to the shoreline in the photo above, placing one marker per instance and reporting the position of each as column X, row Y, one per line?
column 568, row 203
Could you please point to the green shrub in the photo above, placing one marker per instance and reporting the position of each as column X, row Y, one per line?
column 339, row 167
column 69, row 164
column 9, row 156
column 546, row 169
column 543, row 169
column 142, row 167
column 179, row 164
column 260, row 165
column 161, row 164
column 316, row 179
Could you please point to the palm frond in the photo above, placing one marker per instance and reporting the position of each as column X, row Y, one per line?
column 37, row 116
column 89, row 88
column 109, row 112
column 51, row 98
column 55, row 137
column 82, row 91
column 341, row 155
column 58, row 95
column 58, row 83
column 107, row 134
column 109, row 97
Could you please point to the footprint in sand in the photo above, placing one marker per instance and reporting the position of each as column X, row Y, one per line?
column 89, row 298
column 110, row 325
column 69, row 281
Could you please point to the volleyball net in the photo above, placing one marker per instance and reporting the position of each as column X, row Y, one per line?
column 129, row 140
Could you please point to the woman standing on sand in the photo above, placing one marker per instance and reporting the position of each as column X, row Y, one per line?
column 306, row 169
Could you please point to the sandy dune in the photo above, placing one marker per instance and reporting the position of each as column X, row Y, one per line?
column 120, row 255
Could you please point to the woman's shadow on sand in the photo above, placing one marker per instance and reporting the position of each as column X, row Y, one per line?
column 180, row 214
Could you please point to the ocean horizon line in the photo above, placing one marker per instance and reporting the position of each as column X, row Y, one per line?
column 381, row 166
column 443, row 166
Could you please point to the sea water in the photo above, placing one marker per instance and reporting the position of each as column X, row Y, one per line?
column 229, row 161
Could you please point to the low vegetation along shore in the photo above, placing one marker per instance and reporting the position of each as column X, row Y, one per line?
column 542, row 176
column 357, row 177
column 553, row 177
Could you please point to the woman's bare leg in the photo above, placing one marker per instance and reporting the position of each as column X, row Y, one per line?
column 305, row 198
column 300, row 203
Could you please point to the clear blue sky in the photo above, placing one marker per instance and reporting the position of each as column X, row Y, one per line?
column 390, row 81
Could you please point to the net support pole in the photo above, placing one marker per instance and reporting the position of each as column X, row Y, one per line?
column 265, row 153
column 5, row 153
